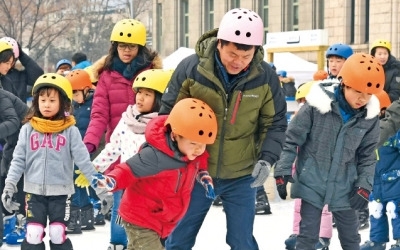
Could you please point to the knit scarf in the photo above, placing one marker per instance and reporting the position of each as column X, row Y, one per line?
column 135, row 120
column 49, row 126
column 129, row 70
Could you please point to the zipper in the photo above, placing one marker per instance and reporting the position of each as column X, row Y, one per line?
column 178, row 181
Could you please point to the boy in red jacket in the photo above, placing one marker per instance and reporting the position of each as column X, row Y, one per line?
column 158, row 180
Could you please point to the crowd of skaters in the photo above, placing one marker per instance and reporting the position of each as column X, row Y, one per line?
column 127, row 101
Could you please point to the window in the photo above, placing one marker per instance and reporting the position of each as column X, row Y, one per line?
column 185, row 23
column 264, row 14
column 235, row 4
column 295, row 13
column 209, row 15
column 159, row 26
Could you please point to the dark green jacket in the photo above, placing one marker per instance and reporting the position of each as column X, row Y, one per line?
column 256, row 131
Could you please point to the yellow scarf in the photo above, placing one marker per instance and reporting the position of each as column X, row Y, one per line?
column 49, row 126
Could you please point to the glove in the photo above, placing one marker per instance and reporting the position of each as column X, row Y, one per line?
column 90, row 147
column 204, row 178
column 106, row 199
column 7, row 197
column 103, row 181
column 281, row 183
column 81, row 181
column 21, row 52
column 260, row 173
column 359, row 198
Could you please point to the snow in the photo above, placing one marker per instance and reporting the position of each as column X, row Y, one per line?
column 270, row 231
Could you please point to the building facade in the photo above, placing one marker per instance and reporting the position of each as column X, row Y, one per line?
column 179, row 23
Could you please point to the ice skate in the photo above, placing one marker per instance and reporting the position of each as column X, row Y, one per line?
column 217, row 201
column 395, row 246
column 370, row 245
column 262, row 204
column 290, row 242
column 9, row 223
column 116, row 247
column 363, row 216
column 18, row 235
column 323, row 244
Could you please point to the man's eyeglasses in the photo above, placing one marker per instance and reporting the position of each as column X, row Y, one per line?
column 124, row 46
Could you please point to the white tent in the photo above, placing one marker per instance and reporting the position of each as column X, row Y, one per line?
column 301, row 70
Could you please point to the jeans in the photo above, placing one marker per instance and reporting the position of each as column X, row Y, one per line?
column 80, row 198
column 118, row 235
column 239, row 205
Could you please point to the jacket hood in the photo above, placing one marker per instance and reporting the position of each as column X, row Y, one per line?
column 99, row 64
column 321, row 97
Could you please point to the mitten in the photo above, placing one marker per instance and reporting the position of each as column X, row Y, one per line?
column 90, row 147
column 21, row 52
column 205, row 179
column 103, row 181
column 260, row 173
column 81, row 181
column 7, row 197
column 359, row 198
column 106, row 199
column 281, row 183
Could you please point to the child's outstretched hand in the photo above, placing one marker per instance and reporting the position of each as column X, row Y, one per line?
column 205, row 179
column 103, row 181
column 81, row 181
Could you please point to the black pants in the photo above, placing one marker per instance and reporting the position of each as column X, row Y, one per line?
column 347, row 224
column 42, row 207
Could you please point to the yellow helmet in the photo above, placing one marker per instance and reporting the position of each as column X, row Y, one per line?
column 155, row 79
column 381, row 43
column 129, row 31
column 303, row 89
column 55, row 81
column 4, row 46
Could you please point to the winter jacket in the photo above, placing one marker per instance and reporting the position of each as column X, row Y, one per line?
column 12, row 112
column 392, row 78
column 157, row 181
column 390, row 124
column 82, row 113
column 112, row 96
column 82, row 65
column 47, row 161
column 288, row 85
column 18, row 79
column 334, row 157
column 251, row 116
column 387, row 171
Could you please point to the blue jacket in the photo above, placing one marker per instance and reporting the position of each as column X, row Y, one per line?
column 82, row 113
column 386, row 182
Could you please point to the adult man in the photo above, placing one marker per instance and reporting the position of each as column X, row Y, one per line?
column 229, row 74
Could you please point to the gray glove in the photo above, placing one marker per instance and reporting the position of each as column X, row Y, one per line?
column 7, row 197
column 106, row 198
column 260, row 173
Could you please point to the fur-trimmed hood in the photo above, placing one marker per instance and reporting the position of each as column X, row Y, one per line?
column 98, row 65
column 321, row 96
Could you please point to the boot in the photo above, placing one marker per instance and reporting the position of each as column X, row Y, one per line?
column 17, row 236
column 74, row 223
column 9, row 222
column 262, row 203
column 87, row 216
column 395, row 246
column 323, row 244
column 116, row 247
column 363, row 216
column 291, row 242
column 217, row 201
column 98, row 216
column 26, row 246
column 370, row 245
column 67, row 245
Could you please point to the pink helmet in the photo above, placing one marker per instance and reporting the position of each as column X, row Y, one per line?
column 13, row 44
column 241, row 26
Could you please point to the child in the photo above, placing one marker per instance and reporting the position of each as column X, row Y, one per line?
column 127, row 57
column 63, row 67
column 48, row 146
column 334, row 136
column 158, row 180
column 336, row 55
column 325, row 232
column 82, row 213
column 385, row 197
column 381, row 49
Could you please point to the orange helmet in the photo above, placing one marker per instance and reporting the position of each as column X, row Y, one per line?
column 320, row 75
column 363, row 73
column 194, row 120
column 79, row 79
column 384, row 99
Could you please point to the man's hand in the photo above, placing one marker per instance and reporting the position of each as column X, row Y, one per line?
column 260, row 173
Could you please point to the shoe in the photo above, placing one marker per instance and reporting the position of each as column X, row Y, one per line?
column 99, row 219
column 17, row 236
column 323, row 243
column 370, row 245
column 217, row 201
column 116, row 247
column 291, row 242
column 333, row 222
column 9, row 223
column 363, row 216
column 395, row 246
column 262, row 204
column 75, row 221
